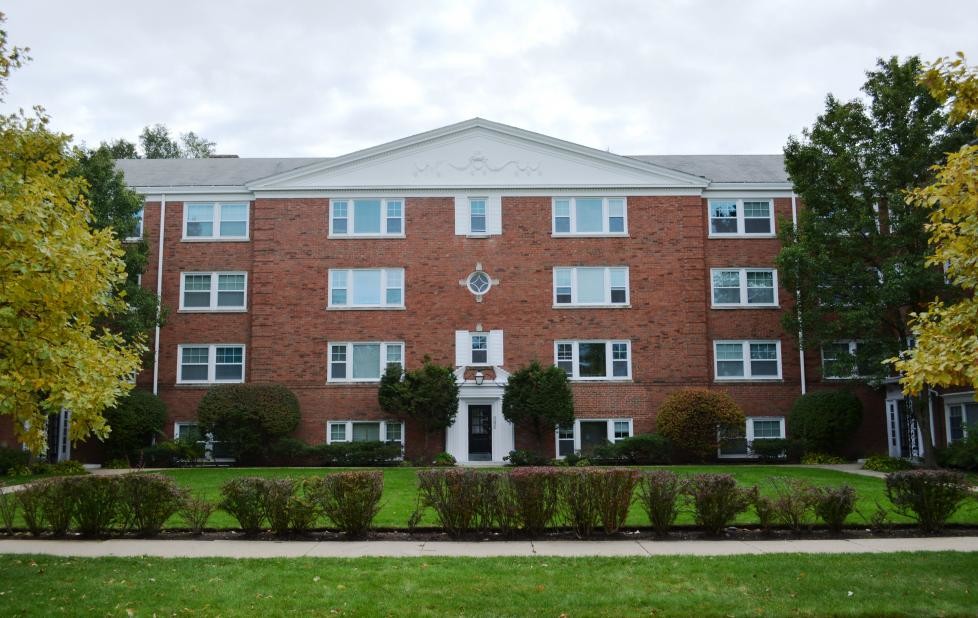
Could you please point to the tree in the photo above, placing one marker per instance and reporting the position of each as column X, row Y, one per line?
column 427, row 395
column 196, row 147
column 693, row 419
column 121, row 149
column 135, row 420
column 540, row 397
column 157, row 144
column 57, row 277
column 248, row 418
column 946, row 333
column 857, row 254
column 824, row 421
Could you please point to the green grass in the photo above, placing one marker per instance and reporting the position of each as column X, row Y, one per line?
column 400, row 491
column 898, row 584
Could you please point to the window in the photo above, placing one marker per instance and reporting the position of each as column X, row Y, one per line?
column 480, row 349
column 591, row 286
column 961, row 419
column 213, row 291
column 738, row 217
column 477, row 216
column 583, row 435
column 366, row 217
column 363, row 362
column 745, row 287
column 736, row 442
column 365, row 431
column 840, row 361
column 137, row 231
column 215, row 221
column 750, row 360
column 589, row 216
column 366, row 288
column 204, row 364
column 594, row 360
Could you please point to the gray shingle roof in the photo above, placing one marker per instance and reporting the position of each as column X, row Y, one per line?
column 234, row 172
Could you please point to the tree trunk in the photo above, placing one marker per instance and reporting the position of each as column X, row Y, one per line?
column 921, row 413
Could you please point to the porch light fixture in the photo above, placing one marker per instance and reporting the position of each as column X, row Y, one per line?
column 479, row 378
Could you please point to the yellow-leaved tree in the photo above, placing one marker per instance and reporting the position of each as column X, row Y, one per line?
column 946, row 353
column 57, row 277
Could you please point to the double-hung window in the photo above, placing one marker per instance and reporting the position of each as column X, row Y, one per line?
column 366, row 288
column 745, row 287
column 477, row 216
column 590, row 216
column 747, row 360
column 137, row 230
column 365, row 431
column 216, row 291
column 366, row 217
column 741, row 217
column 215, row 221
column 480, row 348
column 594, row 360
column 962, row 418
column 363, row 362
column 210, row 363
column 584, row 435
column 737, row 441
column 591, row 286
column 840, row 361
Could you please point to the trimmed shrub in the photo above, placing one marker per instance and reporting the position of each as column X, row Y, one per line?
column 244, row 500
column 765, row 510
column 885, row 463
column 776, row 450
column 8, row 511
column 494, row 505
column 97, row 505
column 170, row 453
column 816, row 459
column 31, row 499
column 12, row 459
column 69, row 467
column 277, row 499
column 614, row 491
column 303, row 513
column 355, row 454
column 195, row 512
column 824, row 421
column 645, row 449
column 456, row 495
column 445, row 460
column 689, row 419
column 793, row 502
column 659, row 493
column 59, row 504
column 521, row 458
column 289, row 451
column 929, row 496
column 962, row 454
column 135, row 419
column 834, row 504
column 147, row 501
column 579, row 500
column 350, row 500
column 248, row 418
column 536, row 497
column 717, row 500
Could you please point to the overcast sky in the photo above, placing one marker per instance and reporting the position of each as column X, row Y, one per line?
column 320, row 78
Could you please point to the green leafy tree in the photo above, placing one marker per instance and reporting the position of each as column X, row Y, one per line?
column 157, row 144
column 539, row 397
column 248, row 418
column 858, row 252
column 946, row 333
column 427, row 396
column 121, row 149
column 135, row 420
column 57, row 279
column 196, row 147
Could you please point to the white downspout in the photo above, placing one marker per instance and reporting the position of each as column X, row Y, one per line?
column 801, row 337
column 159, row 296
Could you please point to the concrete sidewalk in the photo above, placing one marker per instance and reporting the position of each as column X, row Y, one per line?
column 409, row 549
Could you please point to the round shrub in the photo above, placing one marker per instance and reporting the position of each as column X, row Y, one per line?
column 824, row 421
column 248, row 418
column 134, row 421
column 689, row 419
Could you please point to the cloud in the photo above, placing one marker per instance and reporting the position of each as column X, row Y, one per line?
column 309, row 78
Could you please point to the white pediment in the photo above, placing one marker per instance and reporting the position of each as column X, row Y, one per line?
column 478, row 153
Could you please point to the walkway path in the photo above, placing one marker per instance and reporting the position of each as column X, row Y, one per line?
column 404, row 549
column 851, row 468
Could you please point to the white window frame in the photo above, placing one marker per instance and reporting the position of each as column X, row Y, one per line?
column 211, row 362
column 138, row 232
column 853, row 346
column 743, row 303
column 485, row 216
column 213, row 307
column 605, row 216
column 574, row 303
column 217, row 207
column 745, row 355
column 749, row 437
column 954, row 400
column 740, row 218
column 351, row 216
column 348, row 430
column 384, row 275
column 577, row 432
column 349, row 360
column 609, row 360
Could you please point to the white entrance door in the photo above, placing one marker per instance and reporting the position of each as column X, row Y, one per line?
column 480, row 433
column 903, row 435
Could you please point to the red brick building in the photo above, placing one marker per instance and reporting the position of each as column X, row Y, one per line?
column 482, row 246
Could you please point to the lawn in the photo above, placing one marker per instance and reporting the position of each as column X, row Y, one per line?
column 898, row 584
column 400, row 490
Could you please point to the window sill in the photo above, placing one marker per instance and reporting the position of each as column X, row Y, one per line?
column 370, row 382
column 478, row 236
column 594, row 235
column 212, row 310
column 401, row 308
column 748, row 380
column 600, row 381
column 365, row 236
column 725, row 307
column 206, row 384
column 618, row 306
column 210, row 239
column 735, row 236
column 132, row 239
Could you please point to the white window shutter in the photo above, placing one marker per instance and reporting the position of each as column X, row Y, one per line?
column 494, row 215
column 461, row 215
column 463, row 348
column 496, row 348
